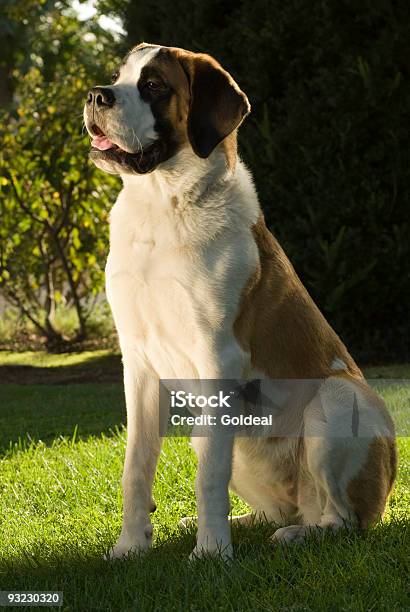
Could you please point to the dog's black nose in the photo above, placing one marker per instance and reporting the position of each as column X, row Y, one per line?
column 101, row 96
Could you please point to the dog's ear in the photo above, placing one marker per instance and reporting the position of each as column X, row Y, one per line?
column 217, row 105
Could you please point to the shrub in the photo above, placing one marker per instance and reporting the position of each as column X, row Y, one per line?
column 53, row 202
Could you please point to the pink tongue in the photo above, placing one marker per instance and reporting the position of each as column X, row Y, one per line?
column 102, row 143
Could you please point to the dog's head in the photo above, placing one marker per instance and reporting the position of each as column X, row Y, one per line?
column 160, row 100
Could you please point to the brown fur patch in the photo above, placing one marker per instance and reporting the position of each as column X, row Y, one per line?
column 230, row 146
column 206, row 107
column 175, row 109
column 369, row 490
column 279, row 323
column 288, row 337
column 217, row 106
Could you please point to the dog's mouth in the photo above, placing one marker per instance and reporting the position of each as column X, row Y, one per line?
column 100, row 140
column 142, row 161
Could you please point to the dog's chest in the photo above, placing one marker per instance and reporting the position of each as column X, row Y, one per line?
column 168, row 296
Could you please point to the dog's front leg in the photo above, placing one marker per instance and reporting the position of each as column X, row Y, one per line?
column 211, row 488
column 143, row 447
column 214, row 453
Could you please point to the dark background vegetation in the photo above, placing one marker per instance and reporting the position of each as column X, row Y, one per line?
column 327, row 142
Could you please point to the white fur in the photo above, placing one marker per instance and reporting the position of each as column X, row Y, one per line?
column 338, row 364
column 130, row 123
column 181, row 251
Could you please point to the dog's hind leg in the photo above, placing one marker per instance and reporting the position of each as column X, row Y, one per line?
column 252, row 518
column 349, row 461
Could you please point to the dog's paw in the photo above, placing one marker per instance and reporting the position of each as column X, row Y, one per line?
column 225, row 553
column 215, row 541
column 292, row 534
column 131, row 546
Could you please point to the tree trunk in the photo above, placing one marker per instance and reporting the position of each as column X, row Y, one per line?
column 81, row 334
column 6, row 88
column 52, row 334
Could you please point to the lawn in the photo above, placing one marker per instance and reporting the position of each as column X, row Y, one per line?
column 62, row 447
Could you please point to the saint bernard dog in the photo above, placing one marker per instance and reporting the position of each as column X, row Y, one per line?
column 200, row 289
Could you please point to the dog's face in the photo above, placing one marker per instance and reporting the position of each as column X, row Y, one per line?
column 161, row 99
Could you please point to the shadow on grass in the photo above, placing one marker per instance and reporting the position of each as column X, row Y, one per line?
column 30, row 413
column 94, row 369
column 250, row 543
column 334, row 567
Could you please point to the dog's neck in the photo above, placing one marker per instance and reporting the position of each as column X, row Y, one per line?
column 190, row 199
column 185, row 176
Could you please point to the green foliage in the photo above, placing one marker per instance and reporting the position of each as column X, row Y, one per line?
column 54, row 203
column 24, row 26
column 44, row 33
column 327, row 141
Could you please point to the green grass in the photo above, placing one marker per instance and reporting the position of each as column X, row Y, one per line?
column 38, row 359
column 61, row 454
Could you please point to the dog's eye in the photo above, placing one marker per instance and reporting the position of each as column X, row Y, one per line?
column 115, row 76
column 152, row 85
column 153, row 90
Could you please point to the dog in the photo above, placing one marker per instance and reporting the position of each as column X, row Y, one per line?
column 200, row 289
